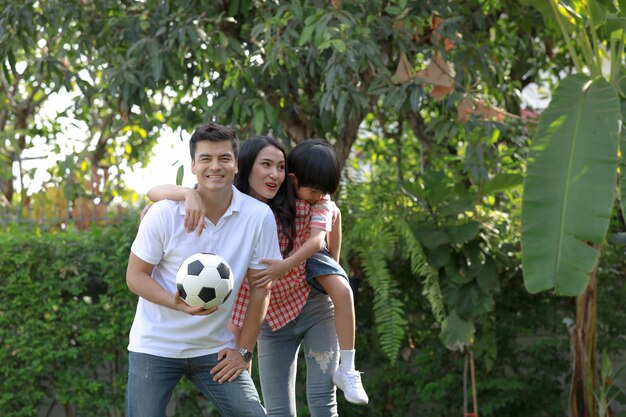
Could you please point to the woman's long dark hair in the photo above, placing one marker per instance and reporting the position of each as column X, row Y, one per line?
column 284, row 203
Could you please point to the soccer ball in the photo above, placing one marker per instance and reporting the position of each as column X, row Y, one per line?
column 204, row 279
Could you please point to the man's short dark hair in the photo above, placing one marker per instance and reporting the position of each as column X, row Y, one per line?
column 215, row 133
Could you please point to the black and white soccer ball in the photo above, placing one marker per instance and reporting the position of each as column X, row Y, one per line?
column 204, row 279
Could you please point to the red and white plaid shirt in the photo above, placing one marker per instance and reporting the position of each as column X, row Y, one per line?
column 290, row 292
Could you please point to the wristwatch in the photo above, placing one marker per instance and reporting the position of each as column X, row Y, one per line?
column 245, row 354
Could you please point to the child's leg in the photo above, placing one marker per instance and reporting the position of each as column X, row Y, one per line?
column 339, row 291
column 346, row 377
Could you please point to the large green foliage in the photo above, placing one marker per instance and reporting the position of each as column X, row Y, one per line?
column 66, row 312
column 64, row 321
column 569, row 186
column 296, row 70
column 571, row 180
column 426, row 184
column 454, row 234
column 65, row 317
column 572, row 173
column 345, row 71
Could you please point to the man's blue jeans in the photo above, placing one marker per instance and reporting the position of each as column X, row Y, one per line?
column 151, row 380
column 314, row 328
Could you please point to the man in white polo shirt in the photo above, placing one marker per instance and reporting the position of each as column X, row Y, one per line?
column 169, row 339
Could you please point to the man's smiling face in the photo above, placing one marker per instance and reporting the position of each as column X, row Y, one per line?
column 215, row 165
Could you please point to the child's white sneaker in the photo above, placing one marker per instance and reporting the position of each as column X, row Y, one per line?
column 350, row 383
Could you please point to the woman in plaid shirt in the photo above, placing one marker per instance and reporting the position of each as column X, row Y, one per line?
column 296, row 315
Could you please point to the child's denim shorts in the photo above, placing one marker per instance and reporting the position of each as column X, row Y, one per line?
column 321, row 263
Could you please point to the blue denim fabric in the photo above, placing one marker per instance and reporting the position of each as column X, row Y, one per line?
column 321, row 263
column 151, row 380
column 314, row 329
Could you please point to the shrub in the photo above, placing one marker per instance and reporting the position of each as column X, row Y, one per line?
column 65, row 312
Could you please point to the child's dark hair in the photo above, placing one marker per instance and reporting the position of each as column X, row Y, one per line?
column 214, row 133
column 284, row 203
column 315, row 165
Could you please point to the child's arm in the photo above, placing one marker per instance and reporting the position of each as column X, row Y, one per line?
column 334, row 238
column 194, row 208
column 277, row 269
column 168, row 192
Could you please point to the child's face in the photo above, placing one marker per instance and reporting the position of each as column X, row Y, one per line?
column 308, row 194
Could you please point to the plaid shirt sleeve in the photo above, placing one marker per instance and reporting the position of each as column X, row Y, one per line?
column 241, row 305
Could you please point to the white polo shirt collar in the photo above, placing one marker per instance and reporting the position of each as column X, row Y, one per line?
column 235, row 204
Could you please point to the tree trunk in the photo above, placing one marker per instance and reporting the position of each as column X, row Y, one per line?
column 583, row 345
column 6, row 187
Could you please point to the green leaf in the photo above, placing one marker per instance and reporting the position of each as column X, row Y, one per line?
column 306, row 34
column 324, row 45
column 440, row 256
column 258, row 120
column 502, row 182
column 487, row 278
column 429, row 236
column 233, row 7
column 598, row 12
column 462, row 233
column 296, row 9
column 130, row 78
column 389, row 311
column 458, row 277
column 615, row 27
column 545, row 9
column 622, row 170
column 393, row 10
column 339, row 45
column 153, row 47
column 460, row 201
column 341, row 105
column 569, row 186
column 270, row 113
column 179, row 175
column 456, row 333
column 472, row 301
column 157, row 68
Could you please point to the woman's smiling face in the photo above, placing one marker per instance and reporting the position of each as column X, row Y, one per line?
column 268, row 174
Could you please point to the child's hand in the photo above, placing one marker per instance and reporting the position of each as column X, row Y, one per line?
column 275, row 270
column 194, row 213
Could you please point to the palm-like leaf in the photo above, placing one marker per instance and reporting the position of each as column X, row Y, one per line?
column 569, row 185
column 622, row 166
column 376, row 240
column 421, row 268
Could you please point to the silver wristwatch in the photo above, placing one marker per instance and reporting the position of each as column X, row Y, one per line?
column 245, row 354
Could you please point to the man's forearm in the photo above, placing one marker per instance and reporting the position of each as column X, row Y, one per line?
column 255, row 314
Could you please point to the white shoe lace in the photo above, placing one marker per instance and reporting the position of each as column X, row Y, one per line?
column 354, row 379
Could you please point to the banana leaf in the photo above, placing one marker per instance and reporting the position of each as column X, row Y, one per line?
column 622, row 170
column 569, row 185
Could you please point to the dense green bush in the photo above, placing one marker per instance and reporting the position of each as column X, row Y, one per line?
column 521, row 354
column 65, row 312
